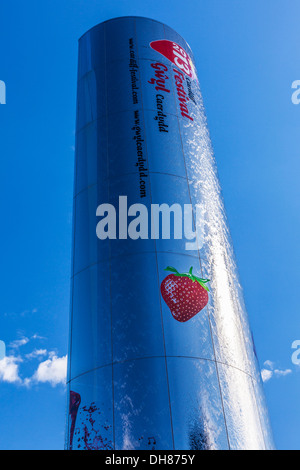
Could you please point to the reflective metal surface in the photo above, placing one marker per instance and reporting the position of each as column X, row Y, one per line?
column 137, row 377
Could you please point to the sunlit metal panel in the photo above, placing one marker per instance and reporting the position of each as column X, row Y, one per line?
column 155, row 360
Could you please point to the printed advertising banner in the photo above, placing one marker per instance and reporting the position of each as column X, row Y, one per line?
column 161, row 353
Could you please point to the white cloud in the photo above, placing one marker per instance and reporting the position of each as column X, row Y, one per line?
column 22, row 314
column 282, row 373
column 53, row 370
column 18, row 343
column 26, row 312
column 269, row 364
column 37, row 337
column 270, row 372
column 27, row 382
column 36, row 353
column 266, row 375
column 9, row 369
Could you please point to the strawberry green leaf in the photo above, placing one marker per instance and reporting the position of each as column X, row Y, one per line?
column 173, row 270
column 190, row 275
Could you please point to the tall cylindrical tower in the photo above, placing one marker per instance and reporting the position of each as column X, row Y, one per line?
column 160, row 357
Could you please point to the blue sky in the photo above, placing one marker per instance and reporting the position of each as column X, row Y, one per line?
column 247, row 58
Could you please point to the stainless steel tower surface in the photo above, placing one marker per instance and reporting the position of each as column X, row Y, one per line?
column 161, row 354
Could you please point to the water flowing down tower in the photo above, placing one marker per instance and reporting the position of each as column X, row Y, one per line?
column 159, row 357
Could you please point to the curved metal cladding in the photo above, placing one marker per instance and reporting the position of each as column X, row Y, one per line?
column 149, row 367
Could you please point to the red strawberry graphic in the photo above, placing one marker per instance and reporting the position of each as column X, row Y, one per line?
column 185, row 294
